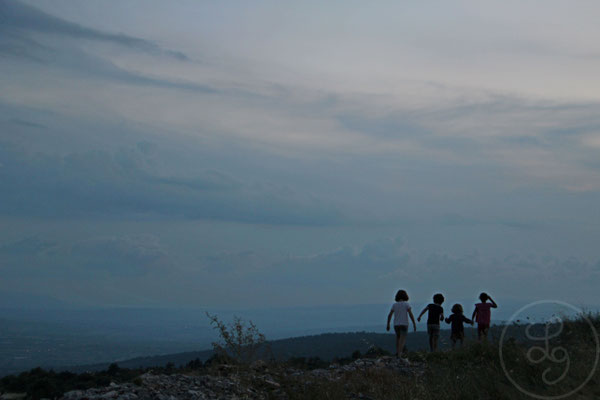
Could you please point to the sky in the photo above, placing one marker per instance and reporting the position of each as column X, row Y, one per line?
column 277, row 154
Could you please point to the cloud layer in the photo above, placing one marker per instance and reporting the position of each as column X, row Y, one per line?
column 278, row 162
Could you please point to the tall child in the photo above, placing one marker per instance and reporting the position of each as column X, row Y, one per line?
column 434, row 316
column 483, row 315
column 401, row 310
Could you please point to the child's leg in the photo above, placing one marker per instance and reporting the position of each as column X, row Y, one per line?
column 484, row 332
column 455, row 336
column 433, row 332
column 401, row 332
column 436, row 336
column 401, row 343
column 431, row 342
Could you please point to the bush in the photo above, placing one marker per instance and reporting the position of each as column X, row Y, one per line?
column 239, row 341
column 195, row 364
column 113, row 369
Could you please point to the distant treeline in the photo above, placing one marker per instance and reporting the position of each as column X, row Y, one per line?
column 307, row 352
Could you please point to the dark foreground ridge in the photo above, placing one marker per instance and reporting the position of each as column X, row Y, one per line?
column 257, row 382
column 495, row 370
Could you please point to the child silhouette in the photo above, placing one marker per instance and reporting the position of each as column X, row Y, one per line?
column 457, row 319
column 401, row 310
column 483, row 315
column 434, row 316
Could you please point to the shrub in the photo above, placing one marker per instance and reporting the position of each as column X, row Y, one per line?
column 240, row 340
column 194, row 364
column 113, row 369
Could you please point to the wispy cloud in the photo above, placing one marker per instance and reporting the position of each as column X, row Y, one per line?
column 99, row 183
column 16, row 17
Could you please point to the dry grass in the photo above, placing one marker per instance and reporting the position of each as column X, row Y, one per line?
column 473, row 372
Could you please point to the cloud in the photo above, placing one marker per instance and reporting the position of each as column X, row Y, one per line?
column 29, row 246
column 115, row 255
column 30, row 35
column 120, row 255
column 393, row 126
column 345, row 266
column 235, row 265
column 389, row 263
column 18, row 16
column 128, row 183
column 28, row 255
column 68, row 57
column 284, row 154
column 89, row 65
column 464, row 131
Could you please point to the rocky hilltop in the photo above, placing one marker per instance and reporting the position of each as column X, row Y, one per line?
column 259, row 381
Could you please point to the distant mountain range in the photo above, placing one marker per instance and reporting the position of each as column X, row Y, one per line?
column 327, row 347
column 57, row 337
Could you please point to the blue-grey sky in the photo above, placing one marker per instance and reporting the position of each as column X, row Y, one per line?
column 248, row 154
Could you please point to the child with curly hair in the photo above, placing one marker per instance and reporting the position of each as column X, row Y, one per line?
column 457, row 319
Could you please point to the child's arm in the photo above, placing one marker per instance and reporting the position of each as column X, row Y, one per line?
column 474, row 314
column 449, row 319
column 442, row 316
column 494, row 305
column 422, row 312
column 389, row 319
column 412, row 318
column 467, row 320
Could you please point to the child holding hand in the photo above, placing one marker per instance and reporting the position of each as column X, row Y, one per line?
column 457, row 319
column 434, row 316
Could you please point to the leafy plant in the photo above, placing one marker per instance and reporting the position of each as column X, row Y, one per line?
column 239, row 340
